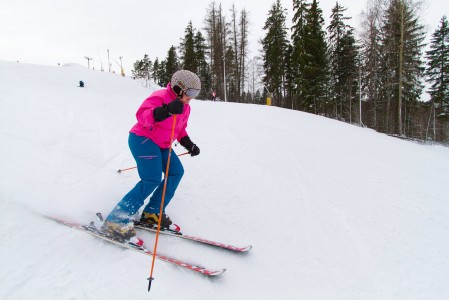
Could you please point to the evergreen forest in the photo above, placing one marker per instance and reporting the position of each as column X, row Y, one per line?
column 373, row 76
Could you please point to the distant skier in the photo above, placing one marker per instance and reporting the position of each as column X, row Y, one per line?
column 149, row 142
column 81, row 83
column 213, row 95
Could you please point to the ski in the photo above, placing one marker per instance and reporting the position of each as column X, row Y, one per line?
column 94, row 231
column 178, row 234
column 175, row 231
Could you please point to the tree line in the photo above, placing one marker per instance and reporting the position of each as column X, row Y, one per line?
column 376, row 79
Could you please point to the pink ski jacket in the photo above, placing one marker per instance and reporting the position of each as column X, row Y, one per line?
column 160, row 132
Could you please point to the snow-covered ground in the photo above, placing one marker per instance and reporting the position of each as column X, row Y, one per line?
column 333, row 211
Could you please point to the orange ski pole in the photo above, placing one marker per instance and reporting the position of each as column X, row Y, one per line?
column 150, row 279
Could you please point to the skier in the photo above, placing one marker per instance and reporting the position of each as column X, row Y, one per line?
column 149, row 142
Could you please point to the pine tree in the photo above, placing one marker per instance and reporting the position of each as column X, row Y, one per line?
column 231, row 78
column 156, row 74
column 171, row 64
column 295, row 75
column 343, row 59
column 438, row 66
column 316, row 62
column 187, row 49
column 403, row 37
column 349, row 70
column 164, row 78
column 275, row 45
column 203, row 69
column 340, row 34
column 372, row 61
column 138, row 71
column 290, row 78
column 142, row 68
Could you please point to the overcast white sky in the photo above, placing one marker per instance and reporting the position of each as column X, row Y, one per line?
column 65, row 31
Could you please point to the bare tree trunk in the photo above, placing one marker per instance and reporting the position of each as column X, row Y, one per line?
column 243, row 46
column 236, row 52
column 401, row 63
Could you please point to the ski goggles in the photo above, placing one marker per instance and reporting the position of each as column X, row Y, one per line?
column 191, row 93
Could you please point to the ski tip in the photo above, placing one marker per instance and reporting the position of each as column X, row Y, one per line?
column 246, row 249
column 175, row 227
column 216, row 272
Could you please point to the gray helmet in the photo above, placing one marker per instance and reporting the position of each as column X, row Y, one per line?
column 187, row 82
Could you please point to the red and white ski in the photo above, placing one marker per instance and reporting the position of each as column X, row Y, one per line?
column 178, row 234
column 94, row 231
column 174, row 231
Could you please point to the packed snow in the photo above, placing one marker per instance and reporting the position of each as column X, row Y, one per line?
column 333, row 211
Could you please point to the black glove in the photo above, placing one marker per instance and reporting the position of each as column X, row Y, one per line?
column 190, row 146
column 175, row 107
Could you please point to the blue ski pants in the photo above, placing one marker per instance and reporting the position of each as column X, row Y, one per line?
column 151, row 163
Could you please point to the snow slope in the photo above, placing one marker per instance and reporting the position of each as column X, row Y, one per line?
column 333, row 211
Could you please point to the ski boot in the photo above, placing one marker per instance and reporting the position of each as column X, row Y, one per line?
column 150, row 220
column 122, row 232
